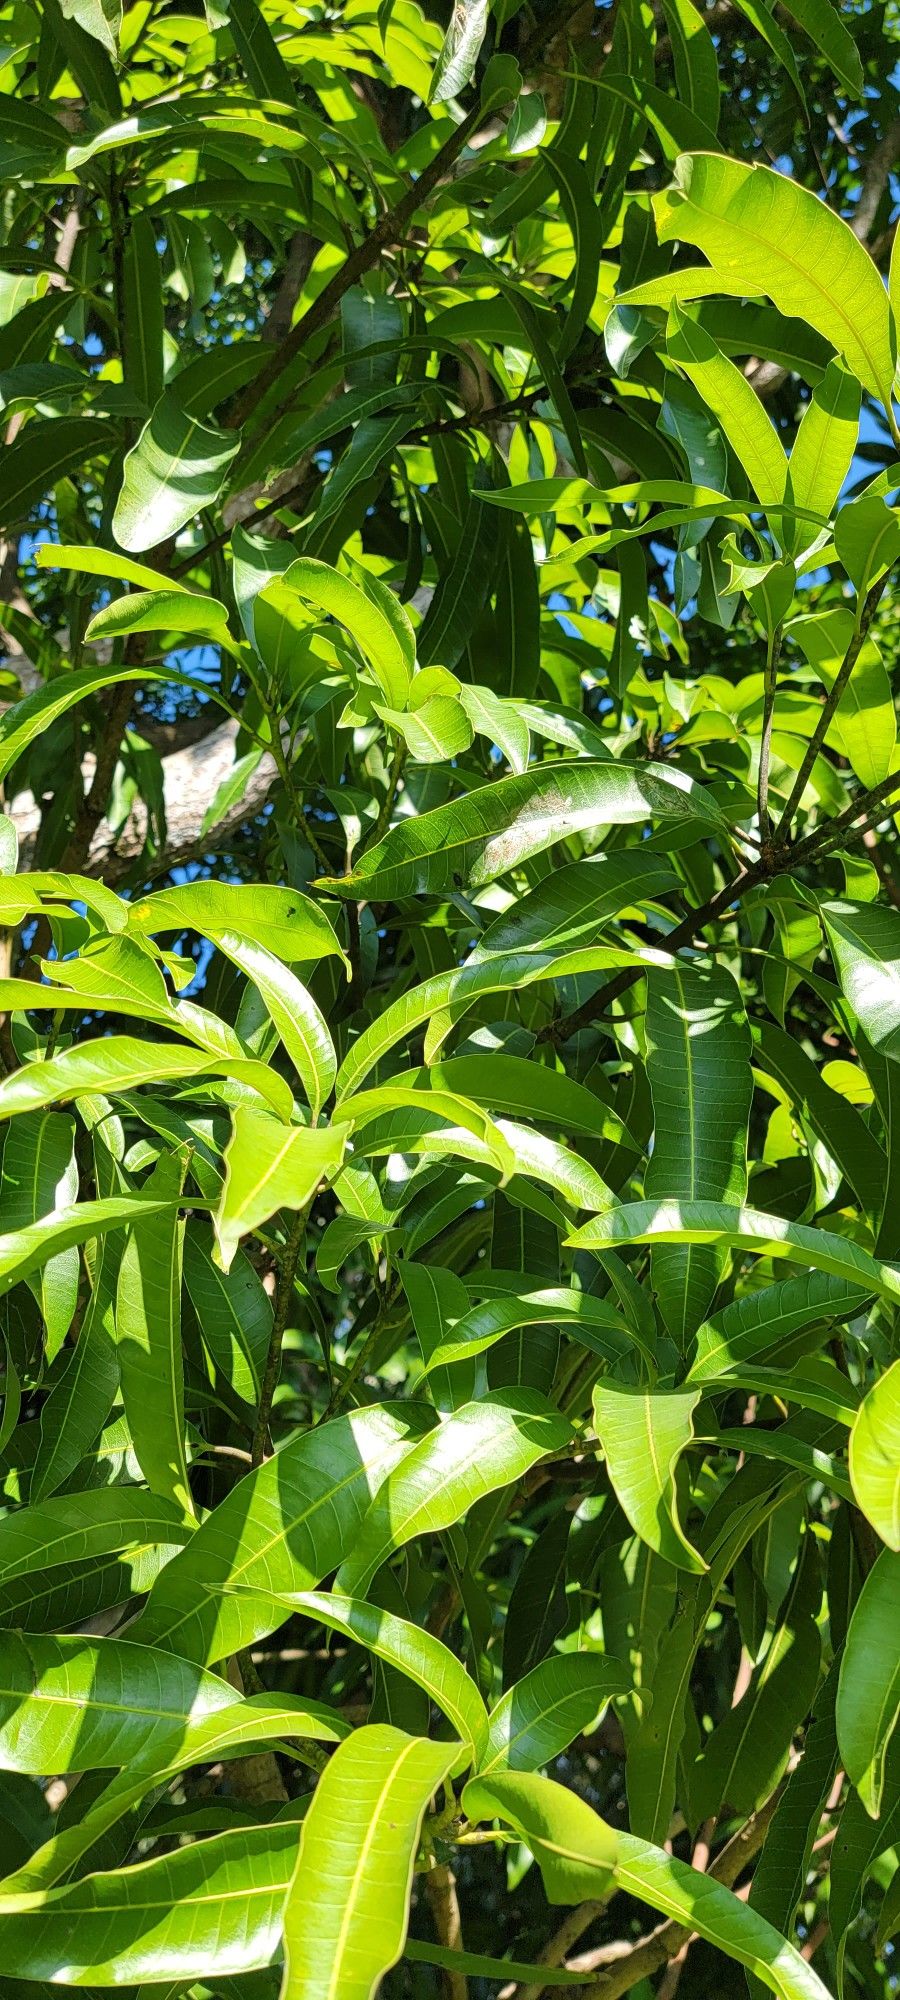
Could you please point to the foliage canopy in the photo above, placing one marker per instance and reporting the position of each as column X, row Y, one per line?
column 450, row 987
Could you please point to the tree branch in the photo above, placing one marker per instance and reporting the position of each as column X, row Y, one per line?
column 831, row 702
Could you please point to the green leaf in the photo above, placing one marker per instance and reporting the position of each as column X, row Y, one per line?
column 698, row 1044
column 498, row 827
column 59, row 1532
column 26, row 720
column 778, row 239
column 459, row 51
column 475, row 1450
column 868, row 1702
column 356, row 1862
column 742, row 1228
column 270, row 1166
column 161, row 611
column 867, row 539
column 216, row 1905
column 281, row 921
column 413, row 1652
column 541, row 1715
column 738, row 410
column 121, row 1062
column 47, row 451
column 591, row 1321
column 693, row 51
column 875, row 1456
column 39, row 1177
column 575, row 902
column 233, row 1311
column 707, row 1907
column 148, row 1337
column 177, row 467
column 298, row 1021
column 643, row 1434
column 25, row 1250
column 864, row 939
column 776, row 1325
column 573, row 1847
column 283, row 1527
column 371, row 613
column 864, row 728
column 823, row 24
column 74, row 1704
column 825, row 443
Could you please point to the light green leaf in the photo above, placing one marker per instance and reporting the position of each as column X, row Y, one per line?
column 281, row 921
column 706, row 1906
column 119, row 1062
column 74, row 1704
column 371, row 613
column 412, row 1651
column 540, row 1716
column 496, row 828
column 39, row 1177
column 742, row 1228
column 868, row 1702
column 867, row 539
column 177, row 467
column 735, row 405
column 864, row 939
column 643, row 1433
column 474, row 1451
column 824, row 446
column 875, row 1456
column 778, row 239
column 270, row 1166
column 300, row 1025
column 573, row 1847
column 356, row 1862
column 168, row 610
column 283, row 1527
column 214, row 1906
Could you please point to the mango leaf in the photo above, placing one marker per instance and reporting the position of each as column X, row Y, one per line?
column 25, row 1250
column 868, row 1701
column 864, row 940
column 283, row 1527
column 148, row 1337
column 474, row 1451
column 742, row 1228
column 643, row 1434
column 737, row 409
column 698, row 1045
column 459, row 50
column 234, row 1313
column 177, row 467
column 40, row 1176
column 492, row 830
column 778, row 239
column 26, row 720
column 573, row 1847
column 72, row 1704
column 875, row 1456
column 370, row 612
column 168, row 1918
column 715, row 1913
column 270, row 1166
column 541, row 1715
column 413, row 1652
column 116, row 1063
column 356, row 1862
column 280, row 921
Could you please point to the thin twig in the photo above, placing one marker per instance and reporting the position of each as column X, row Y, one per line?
column 831, row 702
